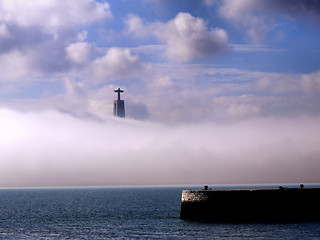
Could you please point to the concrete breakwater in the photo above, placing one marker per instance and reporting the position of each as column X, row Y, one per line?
column 251, row 205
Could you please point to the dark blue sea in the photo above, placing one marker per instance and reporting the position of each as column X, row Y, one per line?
column 121, row 213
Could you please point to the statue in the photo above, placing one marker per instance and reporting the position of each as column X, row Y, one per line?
column 118, row 105
column 118, row 91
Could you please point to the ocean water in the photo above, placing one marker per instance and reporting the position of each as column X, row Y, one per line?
column 121, row 213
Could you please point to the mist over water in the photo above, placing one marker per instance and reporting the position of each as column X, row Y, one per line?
column 55, row 149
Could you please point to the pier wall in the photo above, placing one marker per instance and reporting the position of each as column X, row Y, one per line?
column 256, row 205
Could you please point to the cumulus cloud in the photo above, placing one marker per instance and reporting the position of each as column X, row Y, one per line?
column 80, row 52
column 52, row 16
column 310, row 83
column 46, row 32
column 54, row 149
column 14, row 66
column 211, row 2
column 258, row 17
column 136, row 110
column 117, row 63
column 176, row 94
column 294, row 9
column 78, row 99
column 186, row 37
column 4, row 33
column 138, row 27
column 303, row 84
column 170, row 93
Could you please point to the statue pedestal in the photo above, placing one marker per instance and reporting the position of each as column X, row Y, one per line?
column 118, row 108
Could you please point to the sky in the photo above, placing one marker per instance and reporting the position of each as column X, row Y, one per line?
column 216, row 92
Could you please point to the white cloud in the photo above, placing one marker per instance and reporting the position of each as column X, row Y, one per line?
column 257, row 18
column 310, row 83
column 254, row 48
column 136, row 110
column 53, row 15
column 210, row 2
column 174, row 93
column 14, row 67
column 80, row 52
column 4, row 33
column 138, row 27
column 239, row 13
column 299, row 84
column 54, row 149
column 46, row 32
column 186, row 37
column 117, row 63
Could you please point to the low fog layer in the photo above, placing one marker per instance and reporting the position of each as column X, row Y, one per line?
column 56, row 149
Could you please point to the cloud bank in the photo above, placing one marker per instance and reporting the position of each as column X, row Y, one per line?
column 54, row 149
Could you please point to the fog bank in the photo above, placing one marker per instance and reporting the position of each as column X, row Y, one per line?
column 56, row 149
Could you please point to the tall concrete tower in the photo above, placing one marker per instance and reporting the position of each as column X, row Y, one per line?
column 118, row 105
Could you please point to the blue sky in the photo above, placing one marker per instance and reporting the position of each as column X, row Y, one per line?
column 186, row 67
column 259, row 39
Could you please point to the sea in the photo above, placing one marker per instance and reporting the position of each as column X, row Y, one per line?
column 122, row 213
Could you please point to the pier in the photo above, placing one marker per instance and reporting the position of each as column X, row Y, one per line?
column 251, row 205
